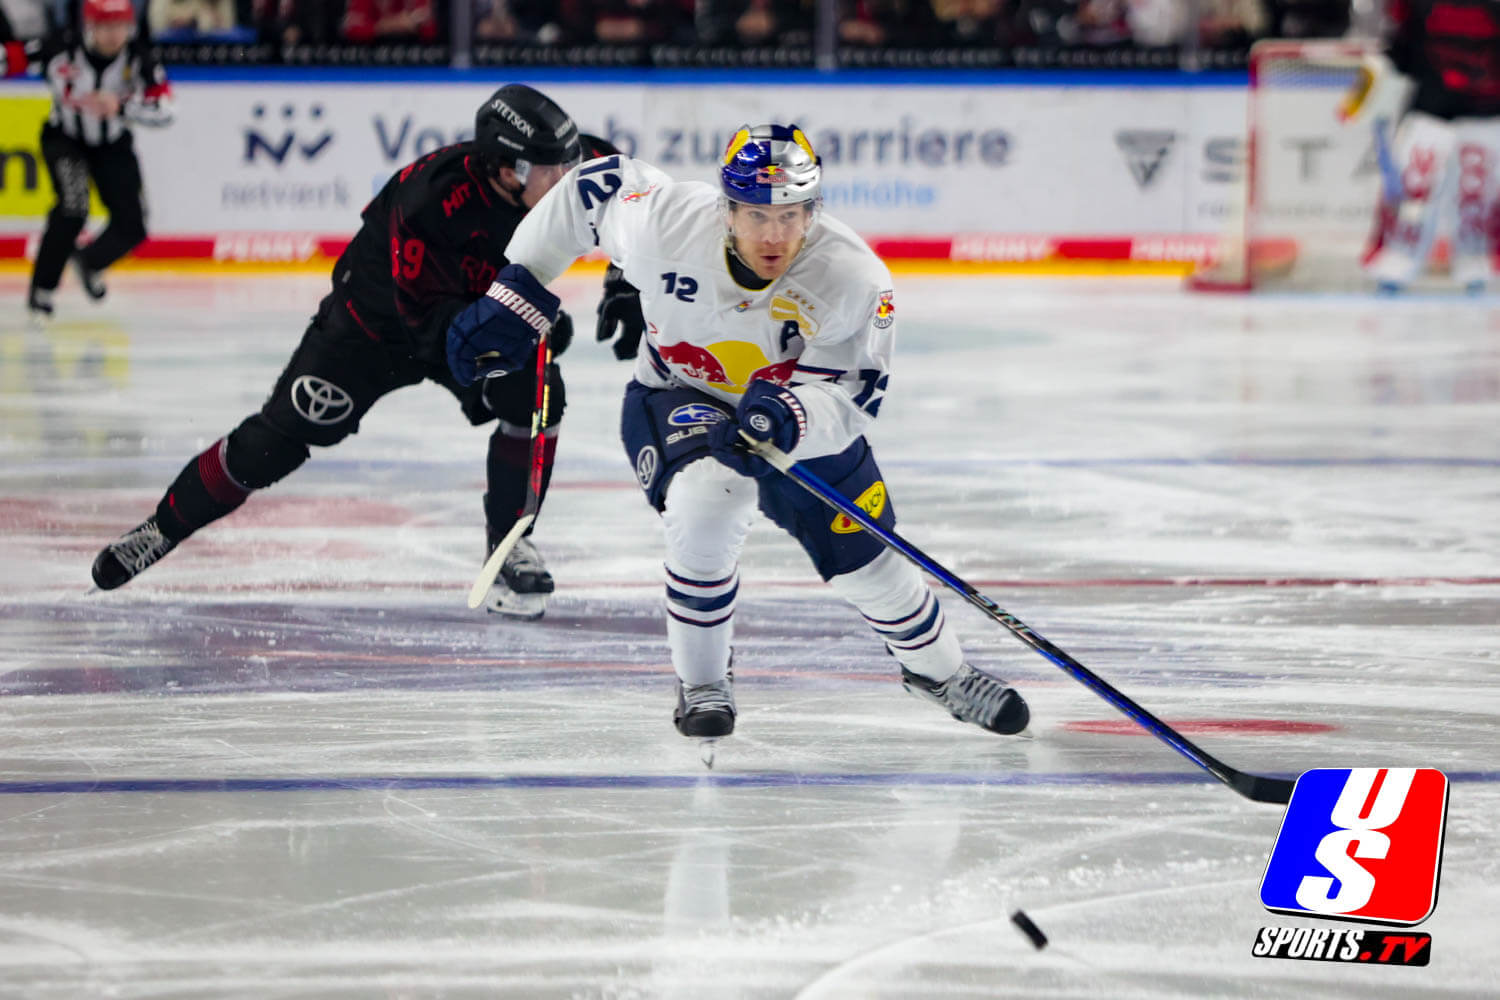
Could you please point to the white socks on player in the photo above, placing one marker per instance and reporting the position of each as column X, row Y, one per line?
column 904, row 612
column 706, row 519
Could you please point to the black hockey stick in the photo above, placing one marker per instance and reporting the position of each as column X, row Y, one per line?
column 496, row 560
column 1255, row 787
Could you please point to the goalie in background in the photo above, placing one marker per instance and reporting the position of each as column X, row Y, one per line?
column 1442, row 167
column 763, row 316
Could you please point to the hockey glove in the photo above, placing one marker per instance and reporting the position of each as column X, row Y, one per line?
column 562, row 333
column 768, row 412
column 497, row 332
column 620, row 307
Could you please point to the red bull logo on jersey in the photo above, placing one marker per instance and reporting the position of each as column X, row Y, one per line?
column 729, row 365
column 885, row 309
column 637, row 195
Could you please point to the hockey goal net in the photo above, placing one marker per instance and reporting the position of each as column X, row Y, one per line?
column 1304, row 205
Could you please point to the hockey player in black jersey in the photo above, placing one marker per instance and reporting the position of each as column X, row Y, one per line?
column 432, row 242
column 101, row 85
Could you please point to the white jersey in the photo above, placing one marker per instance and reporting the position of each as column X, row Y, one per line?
column 825, row 327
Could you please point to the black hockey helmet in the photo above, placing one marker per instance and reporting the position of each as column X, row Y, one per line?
column 521, row 125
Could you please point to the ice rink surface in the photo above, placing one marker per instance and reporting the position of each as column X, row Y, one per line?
column 288, row 762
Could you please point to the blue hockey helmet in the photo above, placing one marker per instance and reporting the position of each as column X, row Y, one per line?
column 771, row 165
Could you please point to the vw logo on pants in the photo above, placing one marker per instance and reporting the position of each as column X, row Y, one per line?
column 645, row 466
column 319, row 401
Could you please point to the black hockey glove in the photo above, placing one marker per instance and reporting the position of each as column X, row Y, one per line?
column 562, row 333
column 620, row 308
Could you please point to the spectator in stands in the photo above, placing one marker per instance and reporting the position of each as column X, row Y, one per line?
column 298, row 22
column 1308, row 18
column 970, row 22
column 494, row 22
column 1222, row 24
column 191, row 17
column 1231, row 24
column 897, row 23
column 517, row 21
column 391, row 21
column 630, row 22
column 25, row 20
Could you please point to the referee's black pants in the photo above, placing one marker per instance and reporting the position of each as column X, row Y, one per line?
column 116, row 173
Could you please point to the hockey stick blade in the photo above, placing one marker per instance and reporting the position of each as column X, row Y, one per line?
column 1254, row 787
column 496, row 560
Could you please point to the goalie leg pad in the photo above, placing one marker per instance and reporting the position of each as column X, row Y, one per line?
column 1422, row 152
column 836, row 544
column 1478, row 163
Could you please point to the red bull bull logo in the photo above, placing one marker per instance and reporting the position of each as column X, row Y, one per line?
column 729, row 365
column 885, row 310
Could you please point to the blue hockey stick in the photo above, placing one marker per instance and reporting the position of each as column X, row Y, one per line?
column 1260, row 789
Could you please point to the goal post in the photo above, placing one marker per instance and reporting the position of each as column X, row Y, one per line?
column 1304, row 204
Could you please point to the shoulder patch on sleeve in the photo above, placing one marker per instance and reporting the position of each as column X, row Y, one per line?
column 885, row 308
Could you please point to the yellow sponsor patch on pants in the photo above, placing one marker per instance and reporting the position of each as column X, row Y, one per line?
column 871, row 501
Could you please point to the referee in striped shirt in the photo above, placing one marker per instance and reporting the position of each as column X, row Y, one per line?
column 100, row 86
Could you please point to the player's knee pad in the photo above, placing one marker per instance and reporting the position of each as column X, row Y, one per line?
column 705, row 517
column 257, row 454
column 664, row 430
column 836, row 544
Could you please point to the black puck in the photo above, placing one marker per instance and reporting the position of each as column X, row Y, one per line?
column 1031, row 930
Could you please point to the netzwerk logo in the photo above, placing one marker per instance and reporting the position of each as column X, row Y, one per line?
column 1358, row 844
column 1145, row 152
column 281, row 146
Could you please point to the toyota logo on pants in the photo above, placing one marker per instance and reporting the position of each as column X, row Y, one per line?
column 319, row 401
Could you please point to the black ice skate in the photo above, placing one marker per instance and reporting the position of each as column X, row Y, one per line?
column 91, row 280
column 523, row 586
column 973, row 696
column 39, row 306
column 121, row 561
column 705, row 712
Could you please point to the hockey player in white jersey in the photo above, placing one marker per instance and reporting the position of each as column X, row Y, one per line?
column 762, row 315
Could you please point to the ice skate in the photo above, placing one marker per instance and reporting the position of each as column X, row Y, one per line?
column 39, row 308
column 705, row 712
column 523, row 586
column 973, row 696
column 121, row 561
column 91, row 280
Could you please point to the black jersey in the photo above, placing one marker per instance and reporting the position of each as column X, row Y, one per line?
column 432, row 242
column 73, row 71
column 1451, row 48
